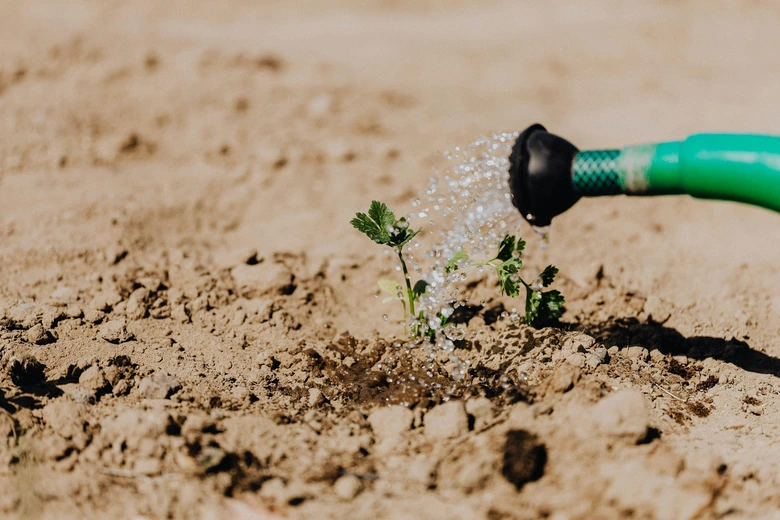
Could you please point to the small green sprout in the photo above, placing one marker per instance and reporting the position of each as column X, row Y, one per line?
column 381, row 226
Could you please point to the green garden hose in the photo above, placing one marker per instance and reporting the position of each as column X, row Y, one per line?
column 548, row 174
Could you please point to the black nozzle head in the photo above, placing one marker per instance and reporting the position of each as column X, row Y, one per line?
column 540, row 175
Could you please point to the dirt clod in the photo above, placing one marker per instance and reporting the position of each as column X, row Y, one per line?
column 446, row 420
column 114, row 331
column 622, row 415
column 158, row 386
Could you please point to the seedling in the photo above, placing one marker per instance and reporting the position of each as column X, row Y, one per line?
column 381, row 226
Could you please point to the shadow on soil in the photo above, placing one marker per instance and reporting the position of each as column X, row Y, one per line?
column 651, row 335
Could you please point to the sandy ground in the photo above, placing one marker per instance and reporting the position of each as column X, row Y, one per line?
column 187, row 321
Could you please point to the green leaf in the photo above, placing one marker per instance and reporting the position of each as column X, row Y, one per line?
column 401, row 233
column 452, row 265
column 420, row 288
column 552, row 305
column 375, row 225
column 533, row 299
column 548, row 275
column 508, row 276
column 543, row 306
column 505, row 248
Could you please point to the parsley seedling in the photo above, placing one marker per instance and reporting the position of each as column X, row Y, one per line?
column 381, row 226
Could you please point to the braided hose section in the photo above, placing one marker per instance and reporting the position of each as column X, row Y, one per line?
column 597, row 172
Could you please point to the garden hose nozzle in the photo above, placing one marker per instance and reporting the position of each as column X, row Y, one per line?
column 548, row 174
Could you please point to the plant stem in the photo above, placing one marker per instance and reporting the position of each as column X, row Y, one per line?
column 409, row 292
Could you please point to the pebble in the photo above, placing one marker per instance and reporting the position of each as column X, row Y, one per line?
column 637, row 352
column 105, row 300
column 94, row 316
column 74, row 311
column 159, row 386
column 38, row 335
column 390, row 421
column 656, row 309
column 593, row 361
column 447, row 420
column 64, row 417
column 564, row 377
column 180, row 313
column 578, row 342
column 264, row 278
column 121, row 388
column 114, row 331
column 136, row 304
column 612, row 351
column 93, row 380
column 656, row 356
column 347, row 487
column 623, row 415
column 315, row 397
column 481, row 408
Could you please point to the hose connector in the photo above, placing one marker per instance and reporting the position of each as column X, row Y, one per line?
column 540, row 175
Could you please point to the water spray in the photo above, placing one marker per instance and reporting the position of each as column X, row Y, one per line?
column 548, row 174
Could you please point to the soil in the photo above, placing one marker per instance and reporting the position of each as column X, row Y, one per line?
column 188, row 326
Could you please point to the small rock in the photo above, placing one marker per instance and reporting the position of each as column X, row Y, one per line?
column 136, row 304
column 315, row 397
column 135, row 425
column 159, row 386
column 74, row 311
column 38, row 335
column 593, row 361
column 94, row 316
column 180, row 313
column 754, row 409
column 612, row 351
column 390, row 421
column 637, row 352
column 564, row 377
column 51, row 317
column 82, row 396
column 657, row 310
column 622, row 414
column 93, row 380
column 656, row 356
column 347, row 487
column 105, row 300
column 578, row 342
column 120, row 388
column 264, row 278
column 481, row 409
column 577, row 359
column 447, row 420
column 65, row 418
column 114, row 331
column 25, row 315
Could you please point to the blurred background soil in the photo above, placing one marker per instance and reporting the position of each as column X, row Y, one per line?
column 187, row 320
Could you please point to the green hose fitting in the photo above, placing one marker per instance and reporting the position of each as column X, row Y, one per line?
column 743, row 168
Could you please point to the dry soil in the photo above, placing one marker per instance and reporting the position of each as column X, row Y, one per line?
column 187, row 320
